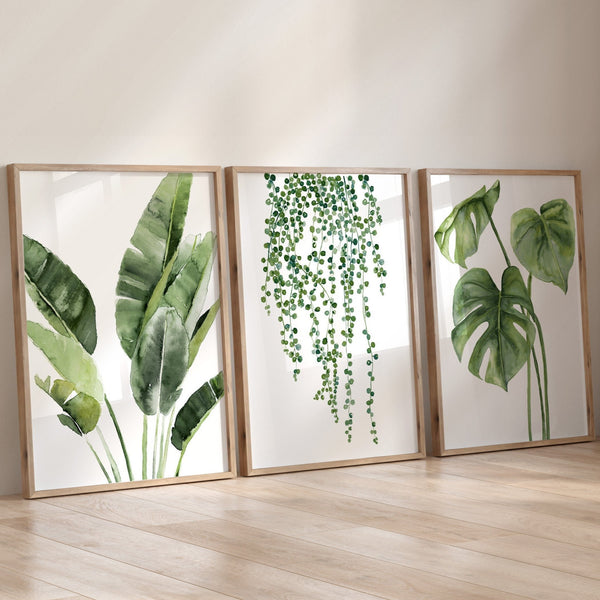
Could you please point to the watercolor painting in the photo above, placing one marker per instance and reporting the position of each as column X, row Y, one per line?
column 165, row 305
column 544, row 243
column 324, row 330
column 322, row 252
column 510, row 293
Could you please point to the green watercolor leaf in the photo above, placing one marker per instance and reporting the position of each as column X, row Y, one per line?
column 466, row 222
column 510, row 333
column 69, row 358
column 153, row 244
column 69, row 422
column 195, row 411
column 187, row 291
column 61, row 390
column 84, row 410
column 159, row 362
column 59, row 294
column 202, row 328
column 544, row 242
column 43, row 384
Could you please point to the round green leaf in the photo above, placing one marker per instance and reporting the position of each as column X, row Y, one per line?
column 545, row 243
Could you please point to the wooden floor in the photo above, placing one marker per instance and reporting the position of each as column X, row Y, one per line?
column 497, row 526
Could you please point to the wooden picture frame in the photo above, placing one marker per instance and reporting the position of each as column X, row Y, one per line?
column 537, row 220
column 141, row 318
column 277, row 417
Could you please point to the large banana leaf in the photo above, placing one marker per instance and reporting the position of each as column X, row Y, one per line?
column 187, row 291
column 69, row 358
column 509, row 334
column 59, row 294
column 467, row 222
column 160, row 362
column 154, row 243
column 194, row 412
column 545, row 243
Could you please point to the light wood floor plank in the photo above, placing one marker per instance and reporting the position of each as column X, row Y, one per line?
column 15, row 585
column 545, row 464
column 358, row 511
column 544, row 553
column 474, row 567
column 516, row 520
column 350, row 568
column 511, row 525
column 408, row 475
column 189, row 563
column 475, row 468
column 78, row 569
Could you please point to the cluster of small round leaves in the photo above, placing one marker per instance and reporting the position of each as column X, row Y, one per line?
column 320, row 246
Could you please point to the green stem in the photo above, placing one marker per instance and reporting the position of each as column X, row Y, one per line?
column 545, row 365
column 98, row 460
column 165, row 445
column 183, row 449
column 498, row 238
column 154, row 454
column 529, row 398
column 541, row 395
column 111, row 460
column 529, row 376
column 120, row 435
column 145, row 448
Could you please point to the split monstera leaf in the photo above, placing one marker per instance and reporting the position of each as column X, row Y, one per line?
column 161, row 322
column 544, row 244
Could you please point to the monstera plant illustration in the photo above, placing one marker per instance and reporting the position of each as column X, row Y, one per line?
column 161, row 322
column 544, row 244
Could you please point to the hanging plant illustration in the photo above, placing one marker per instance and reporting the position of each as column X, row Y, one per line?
column 321, row 246
column 544, row 244
column 161, row 322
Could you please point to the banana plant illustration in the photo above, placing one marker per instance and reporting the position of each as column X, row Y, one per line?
column 161, row 322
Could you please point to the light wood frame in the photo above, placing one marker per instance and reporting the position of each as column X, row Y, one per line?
column 239, row 320
column 22, row 359
column 429, row 249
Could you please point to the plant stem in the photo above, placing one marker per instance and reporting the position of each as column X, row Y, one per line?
column 120, row 435
column 165, row 445
column 529, row 398
column 98, row 460
column 145, row 448
column 545, row 365
column 111, row 460
column 529, row 376
column 183, row 449
column 541, row 395
column 498, row 238
column 154, row 454
column 545, row 409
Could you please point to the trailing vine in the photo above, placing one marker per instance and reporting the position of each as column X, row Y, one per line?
column 321, row 246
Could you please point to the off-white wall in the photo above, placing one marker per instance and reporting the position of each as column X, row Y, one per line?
column 408, row 83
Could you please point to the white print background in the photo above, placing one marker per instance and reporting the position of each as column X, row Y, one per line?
column 87, row 219
column 287, row 426
column 476, row 413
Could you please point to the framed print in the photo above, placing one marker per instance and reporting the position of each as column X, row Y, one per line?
column 121, row 336
column 327, row 364
column 506, row 309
